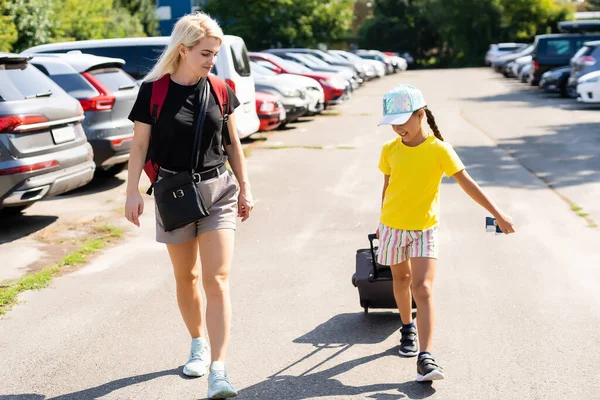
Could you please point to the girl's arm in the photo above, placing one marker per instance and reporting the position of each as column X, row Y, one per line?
column 471, row 188
column 237, row 161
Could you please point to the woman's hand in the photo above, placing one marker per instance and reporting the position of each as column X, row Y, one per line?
column 134, row 207
column 245, row 204
column 505, row 223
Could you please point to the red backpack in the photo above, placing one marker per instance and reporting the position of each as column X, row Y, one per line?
column 159, row 93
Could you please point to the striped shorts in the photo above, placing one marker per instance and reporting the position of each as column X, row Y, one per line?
column 396, row 245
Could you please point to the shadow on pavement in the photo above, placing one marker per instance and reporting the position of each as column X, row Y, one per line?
column 341, row 332
column 568, row 156
column 97, row 185
column 18, row 226
column 98, row 391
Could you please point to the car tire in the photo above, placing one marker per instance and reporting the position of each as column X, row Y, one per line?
column 111, row 171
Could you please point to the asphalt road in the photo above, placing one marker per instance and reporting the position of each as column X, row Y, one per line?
column 517, row 316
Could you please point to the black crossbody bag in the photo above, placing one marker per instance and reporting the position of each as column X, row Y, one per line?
column 178, row 196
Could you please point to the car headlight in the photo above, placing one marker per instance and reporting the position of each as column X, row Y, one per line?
column 267, row 106
column 289, row 92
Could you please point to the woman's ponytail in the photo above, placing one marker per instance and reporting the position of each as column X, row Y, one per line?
column 432, row 124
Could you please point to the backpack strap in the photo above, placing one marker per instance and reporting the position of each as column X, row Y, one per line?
column 159, row 94
column 220, row 89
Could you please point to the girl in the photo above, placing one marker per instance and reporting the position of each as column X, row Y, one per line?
column 413, row 165
column 188, row 59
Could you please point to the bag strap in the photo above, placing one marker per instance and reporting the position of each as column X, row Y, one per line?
column 159, row 94
column 203, row 94
column 220, row 89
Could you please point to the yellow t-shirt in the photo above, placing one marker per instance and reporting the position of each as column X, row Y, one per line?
column 412, row 197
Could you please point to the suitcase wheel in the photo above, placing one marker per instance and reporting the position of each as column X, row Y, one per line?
column 353, row 281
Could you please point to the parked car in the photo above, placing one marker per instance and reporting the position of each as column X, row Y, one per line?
column 518, row 65
column 140, row 55
column 43, row 148
column 334, row 88
column 315, row 64
column 588, row 88
column 555, row 50
column 586, row 60
column 497, row 50
column 404, row 54
column 556, row 80
column 367, row 72
column 379, row 66
column 525, row 74
column 500, row 63
column 375, row 69
column 106, row 93
column 270, row 111
column 291, row 94
column 313, row 88
column 326, row 59
column 378, row 56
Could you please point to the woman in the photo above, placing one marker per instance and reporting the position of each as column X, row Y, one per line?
column 188, row 59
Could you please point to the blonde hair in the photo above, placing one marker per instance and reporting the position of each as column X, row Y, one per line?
column 188, row 31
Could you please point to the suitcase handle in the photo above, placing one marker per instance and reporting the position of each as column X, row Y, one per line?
column 372, row 237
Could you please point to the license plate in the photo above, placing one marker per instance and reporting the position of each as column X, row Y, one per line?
column 62, row 135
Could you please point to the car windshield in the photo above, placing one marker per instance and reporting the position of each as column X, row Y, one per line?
column 300, row 58
column 295, row 67
column 260, row 70
column 21, row 80
column 328, row 58
column 320, row 63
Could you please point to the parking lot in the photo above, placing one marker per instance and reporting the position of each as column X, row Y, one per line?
column 510, row 320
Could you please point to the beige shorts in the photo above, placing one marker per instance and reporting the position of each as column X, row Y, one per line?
column 220, row 195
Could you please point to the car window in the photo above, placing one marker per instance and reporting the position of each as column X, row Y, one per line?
column 241, row 63
column 261, row 70
column 295, row 67
column 558, row 47
column 300, row 58
column 23, row 80
column 67, row 78
column 114, row 79
column 317, row 61
column 147, row 57
column 324, row 56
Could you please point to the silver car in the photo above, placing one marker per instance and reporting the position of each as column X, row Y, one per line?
column 43, row 148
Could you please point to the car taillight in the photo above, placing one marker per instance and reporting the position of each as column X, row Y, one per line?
column 29, row 168
column 231, row 84
column 588, row 61
column 21, row 123
column 104, row 101
column 118, row 142
column 536, row 65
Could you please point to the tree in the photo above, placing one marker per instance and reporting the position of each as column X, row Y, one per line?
column 32, row 20
column 144, row 11
column 8, row 29
column 276, row 23
column 523, row 19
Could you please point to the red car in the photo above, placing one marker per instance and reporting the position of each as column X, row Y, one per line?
column 270, row 111
column 334, row 89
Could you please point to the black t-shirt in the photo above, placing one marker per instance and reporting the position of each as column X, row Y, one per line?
column 173, row 134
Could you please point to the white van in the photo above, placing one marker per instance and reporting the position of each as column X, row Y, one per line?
column 140, row 55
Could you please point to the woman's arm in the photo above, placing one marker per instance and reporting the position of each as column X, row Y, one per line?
column 237, row 161
column 134, row 205
column 471, row 188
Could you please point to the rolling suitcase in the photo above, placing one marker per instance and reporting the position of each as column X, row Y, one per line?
column 373, row 280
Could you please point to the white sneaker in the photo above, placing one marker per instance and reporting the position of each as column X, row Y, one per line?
column 218, row 383
column 199, row 358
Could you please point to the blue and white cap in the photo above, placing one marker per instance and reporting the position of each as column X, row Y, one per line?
column 399, row 104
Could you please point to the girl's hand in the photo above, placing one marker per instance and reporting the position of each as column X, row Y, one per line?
column 134, row 207
column 245, row 204
column 505, row 223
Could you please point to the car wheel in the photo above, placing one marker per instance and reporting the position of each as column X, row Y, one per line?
column 111, row 171
column 572, row 92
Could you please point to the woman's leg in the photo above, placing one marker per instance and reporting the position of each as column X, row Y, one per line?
column 423, row 273
column 216, row 253
column 402, row 279
column 184, row 258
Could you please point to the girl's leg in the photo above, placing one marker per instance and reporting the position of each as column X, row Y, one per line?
column 184, row 258
column 216, row 253
column 423, row 273
column 402, row 278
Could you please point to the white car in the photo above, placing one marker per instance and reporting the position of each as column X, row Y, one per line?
column 588, row 88
column 497, row 50
column 140, row 55
column 313, row 88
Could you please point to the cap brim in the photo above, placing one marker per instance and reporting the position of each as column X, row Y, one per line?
column 395, row 119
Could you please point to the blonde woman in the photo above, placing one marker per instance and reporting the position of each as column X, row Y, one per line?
column 188, row 59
